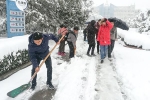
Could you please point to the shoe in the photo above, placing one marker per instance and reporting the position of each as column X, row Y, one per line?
column 102, row 61
column 51, row 86
column 89, row 55
column 93, row 55
column 59, row 53
column 110, row 59
column 63, row 54
column 32, row 88
column 97, row 52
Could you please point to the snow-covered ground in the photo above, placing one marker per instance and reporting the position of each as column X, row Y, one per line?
column 84, row 78
column 133, row 68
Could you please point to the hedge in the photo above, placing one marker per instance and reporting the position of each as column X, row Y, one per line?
column 13, row 61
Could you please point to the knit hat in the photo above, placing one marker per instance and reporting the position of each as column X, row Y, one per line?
column 37, row 36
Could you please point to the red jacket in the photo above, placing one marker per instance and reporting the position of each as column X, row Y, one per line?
column 104, row 34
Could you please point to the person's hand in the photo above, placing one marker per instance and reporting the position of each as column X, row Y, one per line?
column 37, row 69
column 58, row 42
column 74, row 50
column 104, row 20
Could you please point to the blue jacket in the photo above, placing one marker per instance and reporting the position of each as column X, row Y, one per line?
column 41, row 51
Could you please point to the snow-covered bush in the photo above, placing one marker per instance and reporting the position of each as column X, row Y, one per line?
column 14, row 53
column 13, row 61
column 133, row 38
column 141, row 21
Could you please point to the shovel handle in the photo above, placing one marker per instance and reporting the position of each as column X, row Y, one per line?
column 46, row 58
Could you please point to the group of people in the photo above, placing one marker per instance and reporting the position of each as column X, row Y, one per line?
column 38, row 49
column 105, row 33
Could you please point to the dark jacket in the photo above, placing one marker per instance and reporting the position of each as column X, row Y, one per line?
column 113, row 33
column 91, row 33
column 40, row 51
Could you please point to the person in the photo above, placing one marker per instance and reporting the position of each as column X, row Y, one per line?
column 97, row 27
column 38, row 49
column 71, row 40
column 113, row 34
column 62, row 31
column 85, row 31
column 104, row 37
column 91, row 38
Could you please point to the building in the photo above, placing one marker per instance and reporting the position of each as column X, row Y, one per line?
column 125, row 12
column 122, row 12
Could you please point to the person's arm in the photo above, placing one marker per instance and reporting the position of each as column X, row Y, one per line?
column 110, row 26
column 52, row 37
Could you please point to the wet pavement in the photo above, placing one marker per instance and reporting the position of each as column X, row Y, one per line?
column 45, row 94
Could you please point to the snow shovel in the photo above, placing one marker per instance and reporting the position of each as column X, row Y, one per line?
column 22, row 88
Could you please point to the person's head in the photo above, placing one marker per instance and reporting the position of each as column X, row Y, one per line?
column 75, row 29
column 93, row 22
column 37, row 38
column 103, row 21
column 99, row 21
column 62, row 25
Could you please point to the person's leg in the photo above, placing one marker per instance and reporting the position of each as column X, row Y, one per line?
column 98, row 47
column 102, row 50
column 105, row 50
column 71, row 47
column 84, row 36
column 32, row 72
column 93, row 48
column 112, row 45
column 59, row 50
column 89, row 49
column 109, row 51
column 48, row 63
column 63, row 48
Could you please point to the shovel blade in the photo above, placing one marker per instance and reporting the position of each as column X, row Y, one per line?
column 19, row 90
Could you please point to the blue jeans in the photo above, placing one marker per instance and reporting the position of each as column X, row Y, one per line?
column 103, row 51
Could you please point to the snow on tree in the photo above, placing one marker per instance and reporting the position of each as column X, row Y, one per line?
column 141, row 21
column 45, row 14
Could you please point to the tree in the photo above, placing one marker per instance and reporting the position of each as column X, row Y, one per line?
column 46, row 14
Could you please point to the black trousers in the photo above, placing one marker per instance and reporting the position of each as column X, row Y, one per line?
column 98, row 47
column 71, row 47
column 62, row 46
column 110, row 48
column 48, row 63
column 91, row 46
column 84, row 36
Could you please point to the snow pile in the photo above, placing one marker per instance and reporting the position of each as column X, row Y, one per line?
column 134, row 38
column 8, row 45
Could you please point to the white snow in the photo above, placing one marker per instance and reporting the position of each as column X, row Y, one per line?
column 8, row 45
column 133, row 69
column 134, row 38
column 84, row 78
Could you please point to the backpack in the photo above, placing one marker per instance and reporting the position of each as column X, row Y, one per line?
column 67, row 34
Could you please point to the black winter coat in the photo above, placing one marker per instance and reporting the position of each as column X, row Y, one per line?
column 91, row 34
